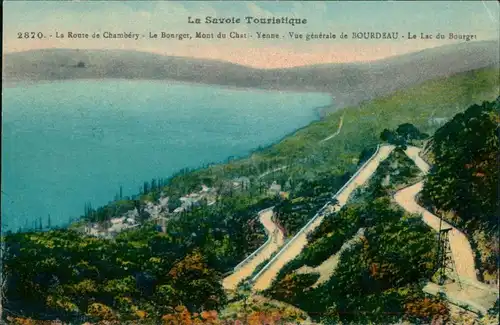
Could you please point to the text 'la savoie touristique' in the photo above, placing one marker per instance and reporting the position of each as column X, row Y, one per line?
column 248, row 20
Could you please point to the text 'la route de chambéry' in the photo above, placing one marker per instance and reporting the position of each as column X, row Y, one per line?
column 261, row 35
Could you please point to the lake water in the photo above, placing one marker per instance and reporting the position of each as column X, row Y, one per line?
column 67, row 143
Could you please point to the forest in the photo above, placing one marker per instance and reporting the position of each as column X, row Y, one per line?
column 382, row 273
column 463, row 183
column 379, row 275
column 141, row 273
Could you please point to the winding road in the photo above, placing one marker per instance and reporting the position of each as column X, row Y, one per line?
column 336, row 132
column 274, row 242
column 468, row 292
column 460, row 247
column 472, row 293
column 275, row 237
column 293, row 248
column 271, row 171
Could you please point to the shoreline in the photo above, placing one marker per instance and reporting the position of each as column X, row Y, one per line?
column 10, row 83
column 228, row 160
column 319, row 111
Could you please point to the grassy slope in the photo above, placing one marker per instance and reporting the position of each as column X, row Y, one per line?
column 362, row 125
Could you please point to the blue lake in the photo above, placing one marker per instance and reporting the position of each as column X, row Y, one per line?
column 67, row 143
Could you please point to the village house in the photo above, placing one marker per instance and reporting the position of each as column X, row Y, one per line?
column 274, row 189
column 206, row 194
column 241, row 183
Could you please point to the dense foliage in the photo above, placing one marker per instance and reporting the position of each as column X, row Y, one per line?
column 379, row 275
column 140, row 273
column 404, row 133
column 295, row 212
column 465, row 174
column 337, row 228
column 463, row 183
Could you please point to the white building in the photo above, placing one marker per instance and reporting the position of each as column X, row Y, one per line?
column 241, row 182
column 115, row 221
column 275, row 188
column 179, row 209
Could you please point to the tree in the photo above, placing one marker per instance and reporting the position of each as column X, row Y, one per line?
column 409, row 132
column 293, row 288
column 199, row 286
column 403, row 134
column 100, row 312
column 387, row 136
column 427, row 310
column 465, row 174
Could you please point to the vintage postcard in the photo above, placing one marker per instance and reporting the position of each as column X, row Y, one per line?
column 250, row 162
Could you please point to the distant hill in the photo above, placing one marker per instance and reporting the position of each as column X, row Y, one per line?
column 349, row 83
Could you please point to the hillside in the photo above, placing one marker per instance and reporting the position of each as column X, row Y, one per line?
column 349, row 83
column 380, row 278
column 143, row 276
column 427, row 106
column 463, row 185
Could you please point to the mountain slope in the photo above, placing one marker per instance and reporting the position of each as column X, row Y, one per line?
column 349, row 83
column 223, row 232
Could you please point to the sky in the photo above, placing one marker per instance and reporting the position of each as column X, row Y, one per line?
column 463, row 17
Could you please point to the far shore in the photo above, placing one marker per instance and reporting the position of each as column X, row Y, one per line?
column 8, row 83
column 321, row 110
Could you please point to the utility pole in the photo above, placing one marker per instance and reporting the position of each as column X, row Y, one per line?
column 445, row 262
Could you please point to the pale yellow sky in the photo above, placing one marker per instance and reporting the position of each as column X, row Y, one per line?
column 465, row 17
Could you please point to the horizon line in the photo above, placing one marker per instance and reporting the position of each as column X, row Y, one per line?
column 249, row 66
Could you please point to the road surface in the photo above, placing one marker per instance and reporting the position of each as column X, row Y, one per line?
column 245, row 270
column 465, row 295
column 472, row 293
column 293, row 248
column 336, row 132
column 460, row 247
column 271, row 171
